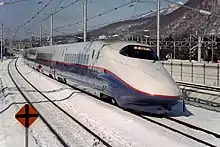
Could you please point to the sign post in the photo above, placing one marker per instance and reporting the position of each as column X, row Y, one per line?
column 26, row 116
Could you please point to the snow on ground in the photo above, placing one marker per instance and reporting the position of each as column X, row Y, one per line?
column 203, row 118
column 72, row 133
column 11, row 131
column 195, row 133
column 118, row 127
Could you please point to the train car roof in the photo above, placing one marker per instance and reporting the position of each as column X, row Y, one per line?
column 120, row 44
column 116, row 44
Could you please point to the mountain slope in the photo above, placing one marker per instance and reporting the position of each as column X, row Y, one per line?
column 179, row 22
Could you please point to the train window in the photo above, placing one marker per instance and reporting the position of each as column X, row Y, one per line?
column 75, row 58
column 140, row 52
column 79, row 58
column 93, row 52
column 68, row 57
column 83, row 60
column 87, row 59
column 65, row 57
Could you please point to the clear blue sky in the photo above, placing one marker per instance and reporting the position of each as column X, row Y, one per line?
column 16, row 14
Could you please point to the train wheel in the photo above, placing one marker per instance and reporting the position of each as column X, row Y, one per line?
column 50, row 76
column 60, row 79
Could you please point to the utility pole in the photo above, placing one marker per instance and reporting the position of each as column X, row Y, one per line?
column 212, row 48
column 190, row 47
column 2, row 42
column 158, row 28
column 40, row 35
column 51, row 31
column 85, row 19
column 31, row 42
column 174, row 51
column 199, row 48
column 10, row 40
column 19, row 45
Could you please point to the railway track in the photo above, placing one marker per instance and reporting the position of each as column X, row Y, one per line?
column 159, row 121
column 58, row 107
column 183, row 128
column 61, row 140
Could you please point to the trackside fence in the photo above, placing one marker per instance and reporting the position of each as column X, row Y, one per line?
column 199, row 73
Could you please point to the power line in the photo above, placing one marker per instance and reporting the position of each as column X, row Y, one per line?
column 62, row 8
column 59, row 5
column 92, row 17
column 98, row 15
column 191, row 8
column 13, row 2
column 33, row 17
column 105, row 24
column 123, row 5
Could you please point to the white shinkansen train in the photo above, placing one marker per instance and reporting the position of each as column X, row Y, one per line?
column 128, row 73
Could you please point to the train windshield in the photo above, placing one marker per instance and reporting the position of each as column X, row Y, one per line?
column 141, row 52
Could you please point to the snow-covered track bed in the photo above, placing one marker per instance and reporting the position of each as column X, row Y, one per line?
column 188, row 130
column 68, row 130
column 119, row 127
column 40, row 115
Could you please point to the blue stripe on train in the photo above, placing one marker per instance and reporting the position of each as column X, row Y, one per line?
column 116, row 88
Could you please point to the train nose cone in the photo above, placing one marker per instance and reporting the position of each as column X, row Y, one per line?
column 163, row 82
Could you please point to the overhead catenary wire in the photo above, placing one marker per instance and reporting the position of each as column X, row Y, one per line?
column 95, row 16
column 103, row 24
column 62, row 8
column 59, row 5
column 57, row 11
column 13, row 2
column 140, row 1
column 90, row 18
column 205, row 12
column 33, row 17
